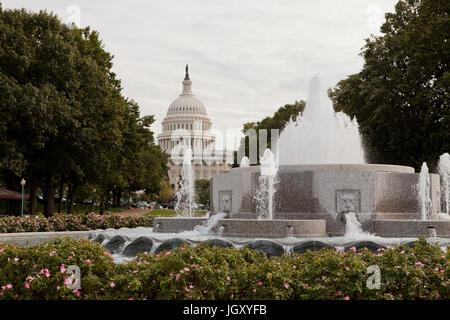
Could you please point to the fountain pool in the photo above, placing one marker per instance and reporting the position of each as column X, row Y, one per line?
column 319, row 193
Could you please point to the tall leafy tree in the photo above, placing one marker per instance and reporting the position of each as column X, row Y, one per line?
column 401, row 97
column 66, row 121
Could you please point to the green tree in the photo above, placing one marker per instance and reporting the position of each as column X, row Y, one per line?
column 165, row 192
column 401, row 97
column 202, row 192
column 66, row 123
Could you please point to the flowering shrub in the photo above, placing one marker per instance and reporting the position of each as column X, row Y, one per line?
column 221, row 273
column 39, row 272
column 69, row 222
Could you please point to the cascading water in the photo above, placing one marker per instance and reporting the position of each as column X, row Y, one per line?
column 209, row 224
column 353, row 228
column 266, row 190
column 185, row 194
column 423, row 187
column 444, row 173
column 320, row 135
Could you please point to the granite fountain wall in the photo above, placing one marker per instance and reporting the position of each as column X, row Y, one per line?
column 305, row 192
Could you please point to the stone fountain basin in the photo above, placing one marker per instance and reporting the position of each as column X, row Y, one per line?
column 410, row 228
column 249, row 228
column 245, row 227
column 319, row 191
column 176, row 224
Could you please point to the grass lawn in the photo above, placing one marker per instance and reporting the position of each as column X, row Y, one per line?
column 170, row 213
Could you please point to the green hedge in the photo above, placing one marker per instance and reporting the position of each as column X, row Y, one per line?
column 72, row 222
column 216, row 273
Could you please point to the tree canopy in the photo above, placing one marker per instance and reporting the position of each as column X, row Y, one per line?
column 65, row 120
column 401, row 97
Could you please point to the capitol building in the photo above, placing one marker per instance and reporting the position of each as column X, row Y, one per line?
column 187, row 125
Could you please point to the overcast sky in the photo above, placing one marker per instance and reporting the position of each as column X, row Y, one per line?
column 246, row 58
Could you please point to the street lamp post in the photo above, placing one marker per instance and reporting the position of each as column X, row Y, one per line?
column 22, row 183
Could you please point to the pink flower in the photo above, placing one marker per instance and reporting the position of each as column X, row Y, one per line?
column 186, row 269
column 112, row 284
column 88, row 261
column 259, row 283
column 167, row 253
column 346, row 298
column 294, row 266
column 9, row 286
column 339, row 293
column 177, row 276
column 191, row 286
column 182, row 248
column 186, row 289
column 347, row 268
column 62, row 268
column 27, row 285
column 58, row 287
column 16, row 259
column 254, row 290
column 193, row 265
column 286, row 285
column 353, row 249
column 228, row 278
column 135, row 271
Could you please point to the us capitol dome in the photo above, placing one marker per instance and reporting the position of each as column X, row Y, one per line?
column 187, row 125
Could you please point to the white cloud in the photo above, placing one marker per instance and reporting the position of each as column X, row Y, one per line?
column 247, row 58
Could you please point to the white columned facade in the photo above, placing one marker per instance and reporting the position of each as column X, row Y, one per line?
column 187, row 122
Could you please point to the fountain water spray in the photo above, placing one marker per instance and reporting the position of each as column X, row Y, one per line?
column 320, row 135
column 185, row 194
column 266, row 189
column 424, row 187
column 245, row 162
column 444, row 173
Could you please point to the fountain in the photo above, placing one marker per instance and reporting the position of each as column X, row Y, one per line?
column 266, row 189
column 320, row 136
column 424, row 188
column 444, row 173
column 185, row 194
column 245, row 162
column 320, row 194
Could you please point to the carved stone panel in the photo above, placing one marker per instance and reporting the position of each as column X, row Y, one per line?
column 225, row 201
column 348, row 200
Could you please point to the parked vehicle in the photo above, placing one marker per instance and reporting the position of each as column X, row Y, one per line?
column 143, row 204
